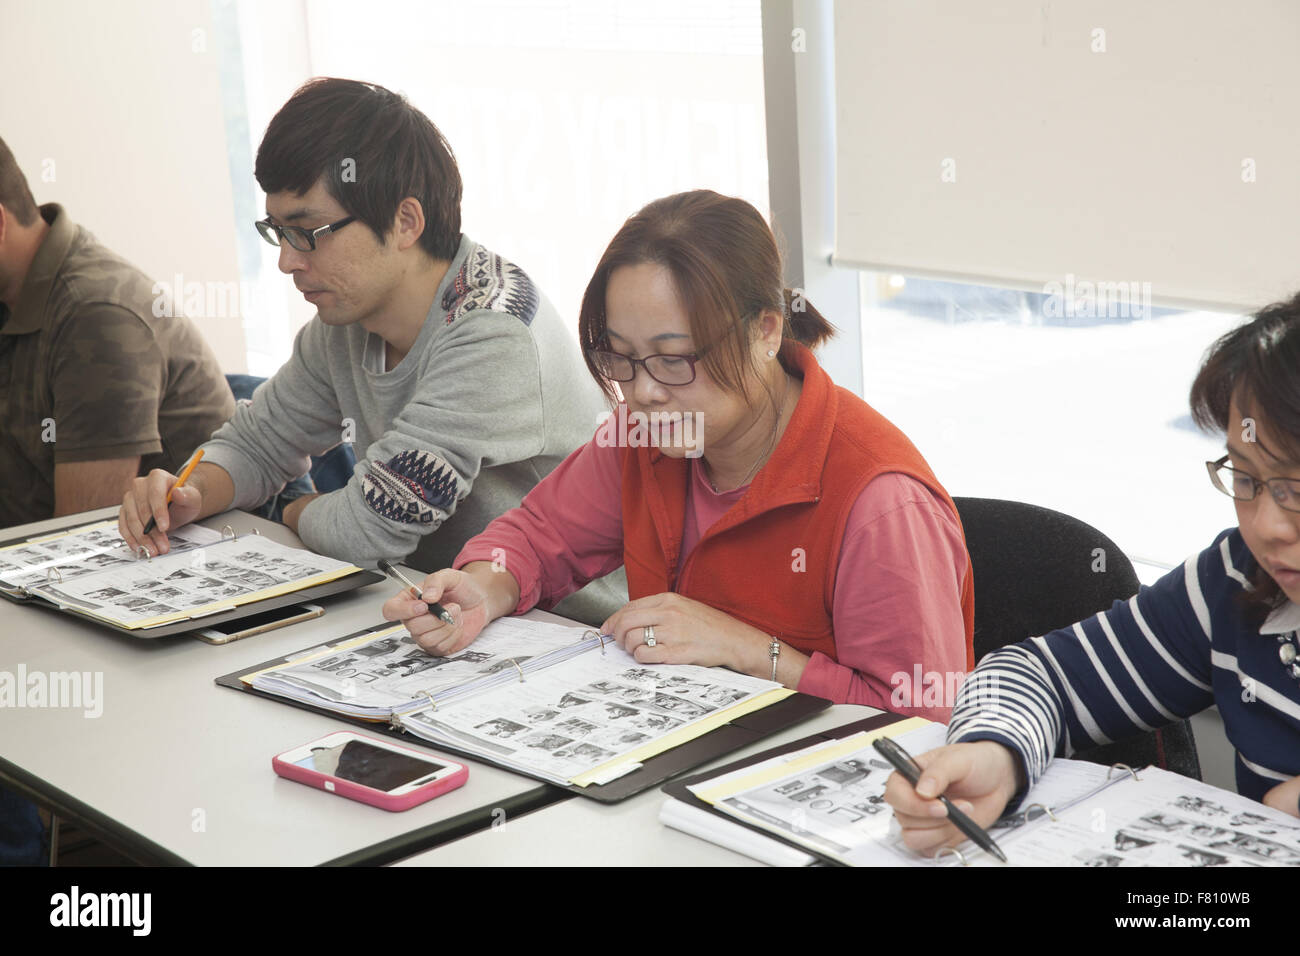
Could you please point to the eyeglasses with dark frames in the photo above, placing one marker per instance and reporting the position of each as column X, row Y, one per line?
column 664, row 368
column 1243, row 486
column 304, row 240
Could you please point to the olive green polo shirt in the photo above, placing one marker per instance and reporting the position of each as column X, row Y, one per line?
column 88, row 372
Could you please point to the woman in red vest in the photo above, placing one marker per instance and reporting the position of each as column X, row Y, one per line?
column 768, row 520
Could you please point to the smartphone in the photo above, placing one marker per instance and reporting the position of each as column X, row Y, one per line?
column 372, row 771
column 228, row 631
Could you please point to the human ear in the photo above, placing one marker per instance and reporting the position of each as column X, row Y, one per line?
column 770, row 325
column 408, row 223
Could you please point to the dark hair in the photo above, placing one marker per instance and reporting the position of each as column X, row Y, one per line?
column 726, row 268
column 395, row 152
column 15, row 194
column 1258, row 365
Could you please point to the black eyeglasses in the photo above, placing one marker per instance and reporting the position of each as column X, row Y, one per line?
column 664, row 368
column 1237, row 484
column 304, row 240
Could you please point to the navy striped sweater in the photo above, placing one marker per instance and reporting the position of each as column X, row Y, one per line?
column 1171, row 651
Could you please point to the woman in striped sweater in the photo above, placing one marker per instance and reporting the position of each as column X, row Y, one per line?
column 1222, row 630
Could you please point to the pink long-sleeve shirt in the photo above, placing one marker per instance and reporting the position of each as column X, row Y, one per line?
column 897, row 611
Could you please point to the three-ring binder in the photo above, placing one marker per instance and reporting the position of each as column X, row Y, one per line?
column 955, row 852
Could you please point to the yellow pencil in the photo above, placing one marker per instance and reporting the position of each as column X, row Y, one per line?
column 185, row 474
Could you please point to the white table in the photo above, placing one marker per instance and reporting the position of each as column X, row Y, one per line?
column 178, row 770
column 582, row 832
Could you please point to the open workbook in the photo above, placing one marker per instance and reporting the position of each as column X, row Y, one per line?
column 828, row 800
column 559, row 703
column 91, row 571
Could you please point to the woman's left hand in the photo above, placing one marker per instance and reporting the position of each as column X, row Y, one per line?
column 688, row 632
column 1285, row 797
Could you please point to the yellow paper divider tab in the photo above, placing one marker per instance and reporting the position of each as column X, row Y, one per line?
column 681, row 735
column 54, row 535
column 828, row 752
column 323, row 652
column 287, row 587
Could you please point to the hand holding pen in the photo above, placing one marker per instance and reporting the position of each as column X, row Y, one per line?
column 924, row 794
column 436, row 609
column 441, row 629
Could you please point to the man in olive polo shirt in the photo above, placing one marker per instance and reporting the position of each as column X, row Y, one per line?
column 94, row 388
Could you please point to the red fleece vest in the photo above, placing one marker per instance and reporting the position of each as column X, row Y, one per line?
column 771, row 559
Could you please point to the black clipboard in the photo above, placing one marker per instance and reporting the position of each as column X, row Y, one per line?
column 247, row 524
column 717, row 743
column 677, row 789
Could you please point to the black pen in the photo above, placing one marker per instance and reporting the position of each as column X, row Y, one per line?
column 438, row 610
column 905, row 765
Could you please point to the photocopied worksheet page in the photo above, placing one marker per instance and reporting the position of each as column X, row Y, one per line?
column 189, row 582
column 378, row 674
column 83, row 551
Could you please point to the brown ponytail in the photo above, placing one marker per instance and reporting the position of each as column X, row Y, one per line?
column 803, row 323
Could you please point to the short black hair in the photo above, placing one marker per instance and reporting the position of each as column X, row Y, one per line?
column 393, row 149
column 15, row 194
column 1258, row 364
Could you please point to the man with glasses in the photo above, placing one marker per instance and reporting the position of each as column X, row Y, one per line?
column 438, row 359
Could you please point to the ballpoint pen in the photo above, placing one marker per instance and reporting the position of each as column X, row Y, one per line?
column 904, row 764
column 389, row 568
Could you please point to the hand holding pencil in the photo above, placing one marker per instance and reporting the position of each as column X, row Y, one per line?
column 159, row 503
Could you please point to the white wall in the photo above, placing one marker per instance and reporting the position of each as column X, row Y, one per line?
column 114, row 111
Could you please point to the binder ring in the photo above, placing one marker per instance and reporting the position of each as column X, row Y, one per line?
column 1122, row 766
column 58, row 575
column 233, row 535
column 596, row 634
column 426, row 694
column 142, row 552
column 518, row 668
column 1041, row 806
column 256, row 532
column 955, row 852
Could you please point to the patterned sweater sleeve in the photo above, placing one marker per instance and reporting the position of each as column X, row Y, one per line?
column 1143, row 664
column 479, row 404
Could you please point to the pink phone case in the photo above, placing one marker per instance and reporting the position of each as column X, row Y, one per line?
column 376, row 798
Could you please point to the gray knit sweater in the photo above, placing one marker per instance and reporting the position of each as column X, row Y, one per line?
column 491, row 397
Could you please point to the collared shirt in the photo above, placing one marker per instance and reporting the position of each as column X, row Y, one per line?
column 88, row 372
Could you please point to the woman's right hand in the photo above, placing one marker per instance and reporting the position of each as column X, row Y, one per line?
column 979, row 778
column 462, row 596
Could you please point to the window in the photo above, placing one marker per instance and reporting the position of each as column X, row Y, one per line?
column 1007, row 396
column 566, row 116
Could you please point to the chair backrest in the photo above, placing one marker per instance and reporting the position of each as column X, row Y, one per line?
column 1037, row 570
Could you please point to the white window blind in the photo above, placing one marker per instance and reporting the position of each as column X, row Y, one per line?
column 1024, row 142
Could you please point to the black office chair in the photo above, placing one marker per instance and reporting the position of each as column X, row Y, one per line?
column 1033, row 574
